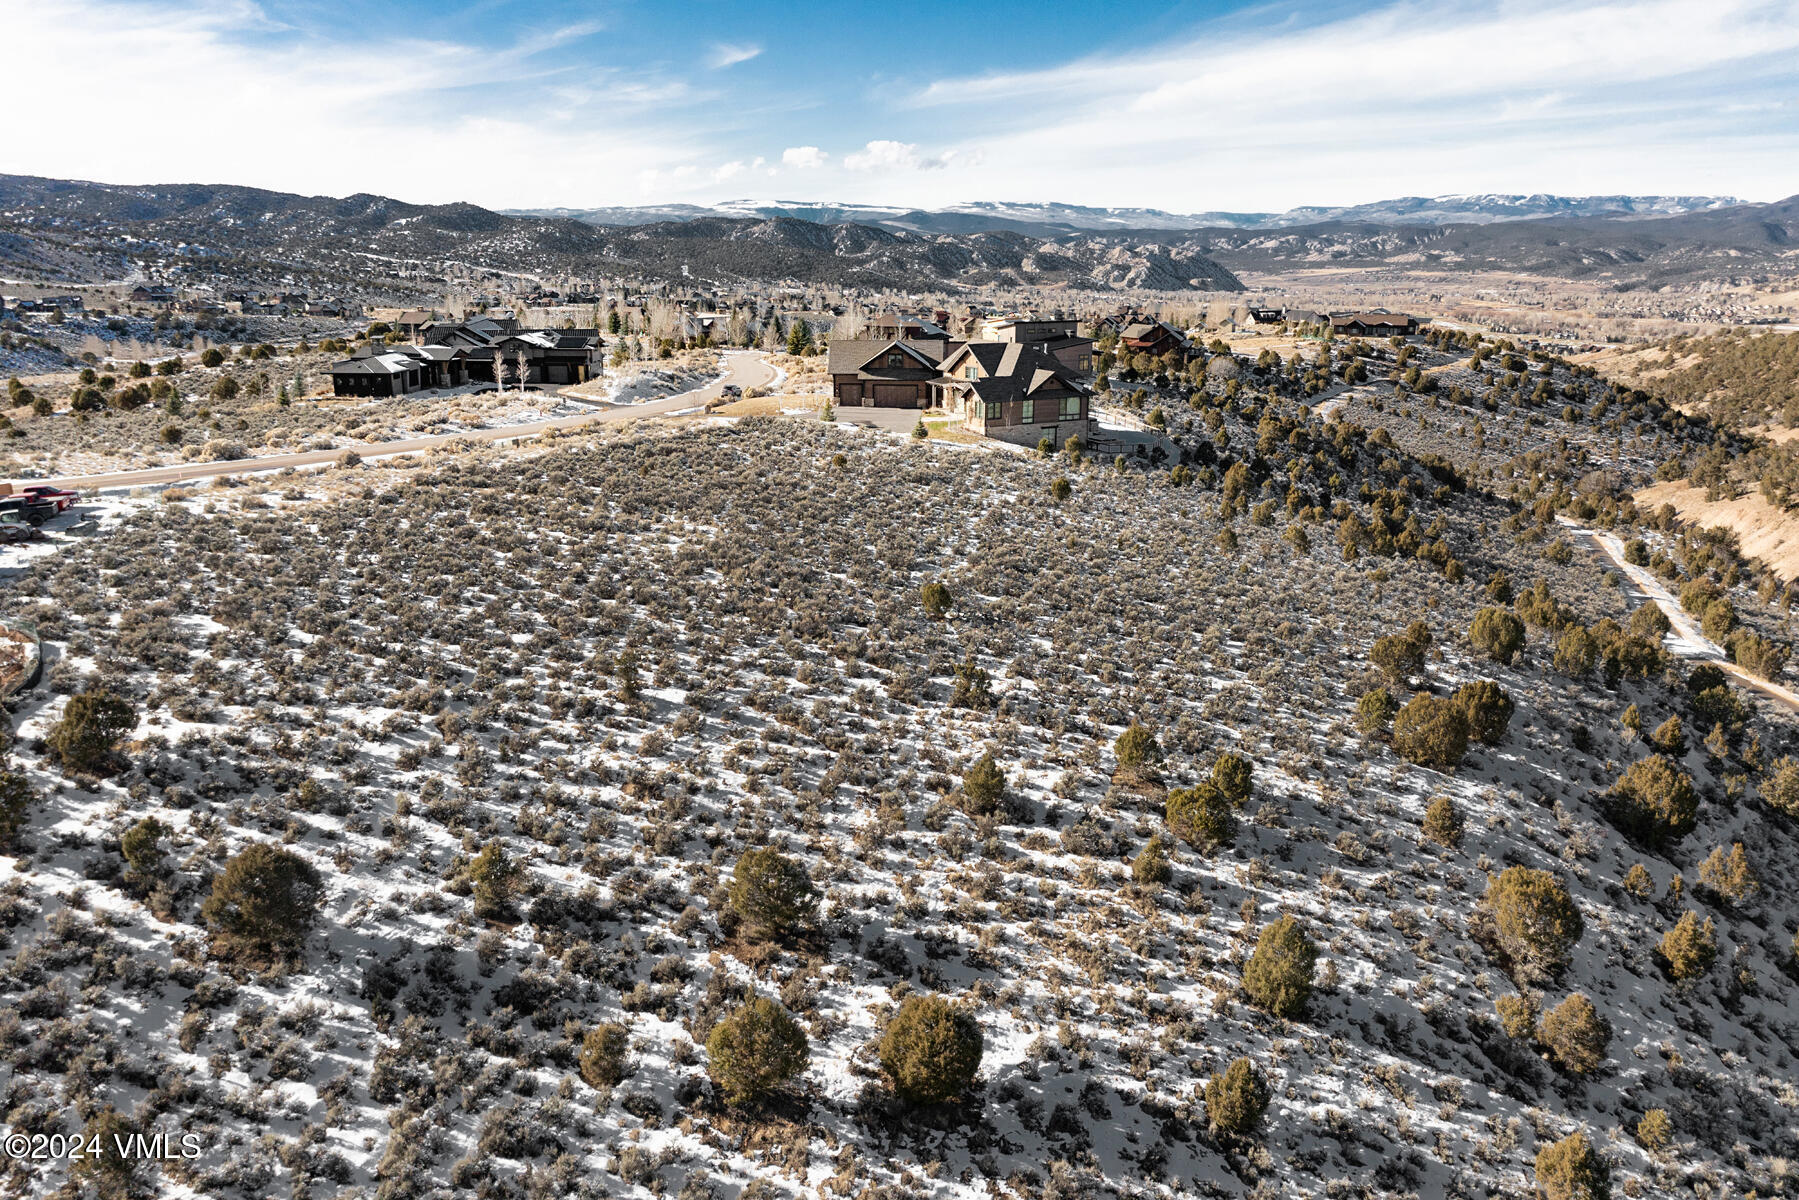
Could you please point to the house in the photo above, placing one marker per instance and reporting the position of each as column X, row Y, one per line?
column 1015, row 327
column 1013, row 391
column 1056, row 336
column 453, row 354
column 412, row 322
column 1266, row 316
column 1303, row 316
column 884, row 372
column 151, row 293
column 893, row 327
column 1375, row 324
column 377, row 371
column 1154, row 338
column 67, row 304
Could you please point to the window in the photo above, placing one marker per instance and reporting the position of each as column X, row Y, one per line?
column 1030, row 412
column 993, row 410
column 896, row 360
column 1071, row 408
column 1086, row 362
column 971, row 372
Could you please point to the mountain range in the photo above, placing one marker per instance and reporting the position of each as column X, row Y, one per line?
column 71, row 230
column 1055, row 219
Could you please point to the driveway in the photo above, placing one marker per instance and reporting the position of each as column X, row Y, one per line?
column 899, row 420
column 742, row 368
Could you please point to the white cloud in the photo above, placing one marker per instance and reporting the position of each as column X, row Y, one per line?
column 1413, row 97
column 804, row 158
column 727, row 171
column 313, row 115
column 884, row 156
column 725, row 54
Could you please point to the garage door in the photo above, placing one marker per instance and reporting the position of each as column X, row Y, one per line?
column 896, row 395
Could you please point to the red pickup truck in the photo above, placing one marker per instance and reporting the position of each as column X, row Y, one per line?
column 62, row 497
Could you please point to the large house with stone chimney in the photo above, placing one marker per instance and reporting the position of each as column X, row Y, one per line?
column 479, row 350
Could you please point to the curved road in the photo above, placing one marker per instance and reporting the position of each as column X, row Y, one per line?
column 743, row 369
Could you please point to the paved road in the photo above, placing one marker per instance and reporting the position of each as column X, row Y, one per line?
column 744, row 369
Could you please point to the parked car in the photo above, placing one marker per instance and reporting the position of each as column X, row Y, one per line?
column 732, row 392
column 14, row 530
column 25, row 508
column 43, row 491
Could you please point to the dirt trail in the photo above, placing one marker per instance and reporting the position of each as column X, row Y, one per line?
column 1685, row 640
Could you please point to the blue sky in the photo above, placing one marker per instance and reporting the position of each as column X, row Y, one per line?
column 1196, row 106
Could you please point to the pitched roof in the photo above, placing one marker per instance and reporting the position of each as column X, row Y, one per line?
column 847, row 357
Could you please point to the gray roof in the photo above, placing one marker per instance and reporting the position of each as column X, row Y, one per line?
column 848, row 357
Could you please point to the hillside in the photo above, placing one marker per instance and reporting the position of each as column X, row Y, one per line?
column 244, row 229
column 526, row 780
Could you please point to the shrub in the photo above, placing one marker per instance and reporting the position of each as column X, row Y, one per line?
column 1655, row 1130
column 105, row 1161
column 1443, row 823
column 1151, row 867
column 1234, row 777
column 1571, row 1169
column 1431, row 732
column 1657, row 801
column 603, row 1055
column 1638, row 882
column 92, row 724
column 1137, row 748
column 1535, row 917
column 771, row 893
column 1576, row 652
column 1689, row 949
column 1780, row 787
column 756, row 1051
column 983, row 787
column 1575, row 1034
column 1720, row 618
column 1278, row 976
column 1670, row 737
column 1497, row 634
column 1060, row 489
column 263, row 903
column 1517, row 1016
column 936, row 599
column 1486, row 709
column 1237, row 1098
column 1375, row 710
column 140, row 846
column 1401, row 655
column 15, row 804
column 211, row 357
column 1729, row 874
column 1201, row 816
column 225, row 388
column 931, row 1050
column 493, row 873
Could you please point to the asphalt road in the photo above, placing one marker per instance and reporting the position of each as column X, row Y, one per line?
column 742, row 369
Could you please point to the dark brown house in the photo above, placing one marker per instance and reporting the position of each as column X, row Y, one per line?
column 1154, row 338
column 1374, row 324
column 1014, row 391
column 884, row 373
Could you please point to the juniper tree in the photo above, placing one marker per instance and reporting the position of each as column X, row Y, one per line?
column 1278, row 975
column 772, row 895
column 755, row 1052
column 931, row 1050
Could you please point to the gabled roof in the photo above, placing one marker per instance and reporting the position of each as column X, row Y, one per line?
column 854, row 355
column 1148, row 331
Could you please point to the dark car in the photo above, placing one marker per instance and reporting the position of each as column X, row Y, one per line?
column 14, row 530
column 25, row 508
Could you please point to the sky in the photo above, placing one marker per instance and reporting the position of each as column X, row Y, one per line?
column 1196, row 106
